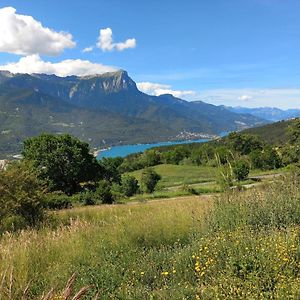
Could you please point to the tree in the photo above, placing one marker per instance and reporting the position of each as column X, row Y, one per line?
column 150, row 158
column 61, row 160
column 149, row 180
column 129, row 185
column 110, row 168
column 244, row 143
column 294, row 132
column 266, row 159
column 22, row 197
column 172, row 157
column 241, row 169
column 103, row 192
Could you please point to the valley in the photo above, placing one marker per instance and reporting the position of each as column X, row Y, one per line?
column 103, row 110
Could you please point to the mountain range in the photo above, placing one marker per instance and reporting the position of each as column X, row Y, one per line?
column 268, row 113
column 104, row 110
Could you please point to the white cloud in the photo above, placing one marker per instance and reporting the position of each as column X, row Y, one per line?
column 245, row 97
column 88, row 49
column 159, row 89
column 20, row 34
column 106, row 43
column 34, row 64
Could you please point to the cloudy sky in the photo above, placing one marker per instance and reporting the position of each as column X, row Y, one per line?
column 229, row 52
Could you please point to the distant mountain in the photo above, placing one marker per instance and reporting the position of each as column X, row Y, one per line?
column 267, row 113
column 103, row 110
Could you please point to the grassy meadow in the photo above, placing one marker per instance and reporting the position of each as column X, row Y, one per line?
column 237, row 245
column 184, row 180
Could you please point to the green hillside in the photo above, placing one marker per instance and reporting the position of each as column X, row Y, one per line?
column 274, row 133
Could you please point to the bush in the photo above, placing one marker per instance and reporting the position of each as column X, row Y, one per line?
column 149, row 180
column 22, row 198
column 267, row 159
column 86, row 198
column 129, row 185
column 103, row 192
column 58, row 200
column 241, row 170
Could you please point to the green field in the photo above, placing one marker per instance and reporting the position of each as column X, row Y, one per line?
column 202, row 179
column 175, row 175
column 240, row 245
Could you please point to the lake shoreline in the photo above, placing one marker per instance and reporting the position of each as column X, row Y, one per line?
column 140, row 147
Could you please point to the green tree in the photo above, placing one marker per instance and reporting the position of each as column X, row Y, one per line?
column 244, row 143
column 62, row 161
column 129, row 185
column 266, row 159
column 241, row 169
column 172, row 157
column 149, row 180
column 22, row 197
column 150, row 158
column 103, row 192
column 110, row 168
column 294, row 132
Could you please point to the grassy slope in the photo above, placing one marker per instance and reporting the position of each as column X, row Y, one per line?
column 166, row 250
column 174, row 175
column 274, row 133
column 201, row 178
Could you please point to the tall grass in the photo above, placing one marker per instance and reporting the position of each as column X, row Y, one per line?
column 243, row 245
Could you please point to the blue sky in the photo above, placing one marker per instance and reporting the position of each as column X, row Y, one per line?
column 233, row 52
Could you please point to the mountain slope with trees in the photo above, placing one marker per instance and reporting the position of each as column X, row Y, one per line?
column 105, row 107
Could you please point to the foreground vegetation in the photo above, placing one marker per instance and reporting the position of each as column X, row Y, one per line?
column 241, row 245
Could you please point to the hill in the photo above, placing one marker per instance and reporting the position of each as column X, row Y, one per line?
column 103, row 109
column 275, row 133
column 268, row 113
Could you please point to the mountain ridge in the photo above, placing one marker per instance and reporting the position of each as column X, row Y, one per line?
column 273, row 114
column 102, row 107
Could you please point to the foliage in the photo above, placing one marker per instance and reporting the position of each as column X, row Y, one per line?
column 150, row 158
column 225, row 176
column 267, row 159
column 245, row 245
column 103, row 192
column 58, row 200
column 22, row 197
column 129, row 185
column 61, row 160
column 149, row 180
column 241, row 169
column 244, row 143
column 172, row 157
column 110, row 168
column 294, row 132
column 272, row 134
column 278, row 206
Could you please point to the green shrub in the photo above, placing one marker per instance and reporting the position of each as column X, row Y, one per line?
column 241, row 169
column 103, row 193
column 149, row 180
column 57, row 201
column 129, row 185
column 22, row 198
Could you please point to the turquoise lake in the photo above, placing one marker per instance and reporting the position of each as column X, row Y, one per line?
column 125, row 150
